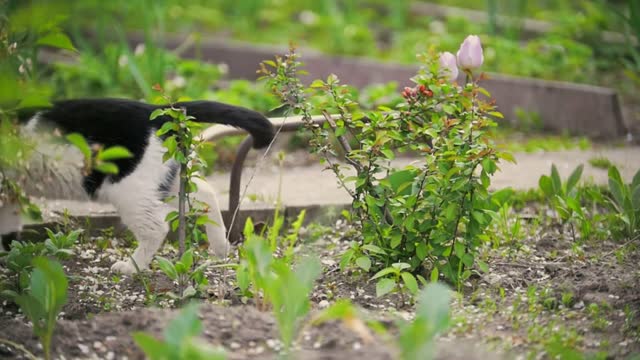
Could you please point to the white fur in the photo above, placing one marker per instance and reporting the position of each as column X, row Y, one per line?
column 10, row 220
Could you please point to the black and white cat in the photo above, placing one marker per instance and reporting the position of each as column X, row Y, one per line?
column 143, row 181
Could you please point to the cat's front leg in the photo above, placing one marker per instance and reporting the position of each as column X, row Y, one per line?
column 10, row 224
column 146, row 220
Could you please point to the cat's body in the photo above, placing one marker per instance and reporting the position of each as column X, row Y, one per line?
column 143, row 181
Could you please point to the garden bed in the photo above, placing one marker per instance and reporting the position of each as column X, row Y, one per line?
column 544, row 293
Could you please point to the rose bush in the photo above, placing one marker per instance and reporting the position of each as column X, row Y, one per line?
column 426, row 218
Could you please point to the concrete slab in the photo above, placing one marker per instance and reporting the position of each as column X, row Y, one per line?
column 315, row 189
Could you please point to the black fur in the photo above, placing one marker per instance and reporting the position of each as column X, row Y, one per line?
column 7, row 239
column 126, row 123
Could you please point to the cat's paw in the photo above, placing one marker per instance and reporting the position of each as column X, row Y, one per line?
column 123, row 267
column 219, row 249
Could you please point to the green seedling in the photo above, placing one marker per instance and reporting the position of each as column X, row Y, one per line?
column 565, row 199
column 60, row 244
column 183, row 273
column 44, row 299
column 285, row 290
column 390, row 278
column 625, row 201
column 433, row 317
column 180, row 342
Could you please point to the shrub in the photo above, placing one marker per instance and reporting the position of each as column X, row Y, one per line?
column 430, row 215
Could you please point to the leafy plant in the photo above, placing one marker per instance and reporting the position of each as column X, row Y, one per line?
column 184, row 274
column 20, row 258
column 565, row 199
column 60, row 244
column 428, row 216
column 416, row 339
column 44, row 299
column 508, row 225
column 179, row 138
column 625, row 201
column 389, row 279
column 285, row 289
column 180, row 341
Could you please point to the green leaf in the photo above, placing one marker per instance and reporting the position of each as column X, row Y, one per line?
column 435, row 274
column 187, row 259
column 635, row 183
column 54, row 283
column 556, row 182
column 617, row 190
column 384, row 272
column 396, row 239
column 107, row 168
column 346, row 258
column 167, row 267
column 152, row 347
column 78, row 141
column 400, row 179
column 248, row 228
column 185, row 325
column 364, row 263
column 242, row 277
column 57, row 40
column 385, row 286
column 483, row 266
column 546, row 186
column 614, row 174
column 635, row 198
column 374, row 249
column 115, row 152
column 388, row 153
column 410, row 282
column 467, row 260
column 433, row 305
column 156, row 113
column 401, row 266
column 574, row 178
column 421, row 251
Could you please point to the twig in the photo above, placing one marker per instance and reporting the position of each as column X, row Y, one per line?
column 343, row 142
column 17, row 346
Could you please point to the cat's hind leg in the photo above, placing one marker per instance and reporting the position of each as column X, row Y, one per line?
column 216, row 232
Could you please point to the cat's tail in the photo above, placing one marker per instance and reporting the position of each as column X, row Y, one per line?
column 253, row 122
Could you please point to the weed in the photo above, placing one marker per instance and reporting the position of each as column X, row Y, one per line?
column 600, row 162
column 43, row 301
column 285, row 289
column 182, row 272
column 625, row 201
column 60, row 244
column 565, row 199
column 416, row 339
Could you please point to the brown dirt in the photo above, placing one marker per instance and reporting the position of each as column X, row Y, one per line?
column 517, row 308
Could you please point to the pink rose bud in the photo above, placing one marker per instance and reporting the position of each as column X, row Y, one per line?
column 448, row 66
column 470, row 54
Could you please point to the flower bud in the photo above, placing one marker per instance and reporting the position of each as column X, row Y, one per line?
column 470, row 53
column 448, row 66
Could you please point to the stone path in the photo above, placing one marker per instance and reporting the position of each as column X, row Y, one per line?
column 310, row 185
